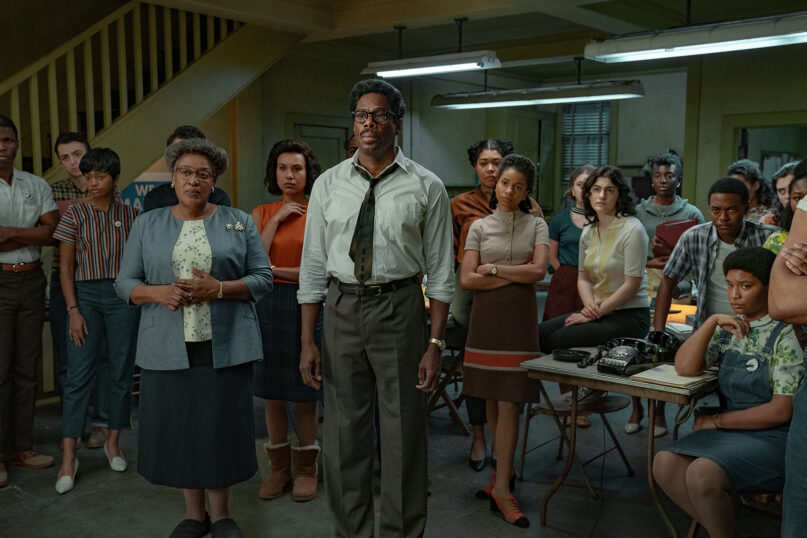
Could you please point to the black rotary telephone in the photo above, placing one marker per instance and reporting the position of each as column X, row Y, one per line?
column 627, row 356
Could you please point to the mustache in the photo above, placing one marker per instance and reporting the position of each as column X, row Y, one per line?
column 371, row 131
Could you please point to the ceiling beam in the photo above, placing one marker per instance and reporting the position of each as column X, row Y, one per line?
column 576, row 12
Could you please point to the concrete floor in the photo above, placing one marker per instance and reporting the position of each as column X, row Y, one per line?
column 109, row 504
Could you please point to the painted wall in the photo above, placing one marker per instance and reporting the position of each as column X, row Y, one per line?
column 757, row 88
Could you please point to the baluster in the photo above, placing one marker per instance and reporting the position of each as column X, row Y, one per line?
column 182, row 17
column 53, row 101
column 36, row 134
column 197, row 36
column 123, row 89
column 106, row 77
column 222, row 29
column 72, row 94
column 153, row 47
column 15, row 117
column 137, row 45
column 168, row 46
column 211, row 32
column 89, row 92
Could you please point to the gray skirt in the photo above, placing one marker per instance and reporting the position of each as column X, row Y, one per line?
column 197, row 426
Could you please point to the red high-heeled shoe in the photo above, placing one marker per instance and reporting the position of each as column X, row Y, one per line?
column 509, row 509
column 484, row 493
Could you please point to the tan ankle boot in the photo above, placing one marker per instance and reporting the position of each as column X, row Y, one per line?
column 305, row 472
column 280, row 458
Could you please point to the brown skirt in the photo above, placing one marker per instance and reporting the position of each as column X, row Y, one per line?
column 563, row 297
column 502, row 333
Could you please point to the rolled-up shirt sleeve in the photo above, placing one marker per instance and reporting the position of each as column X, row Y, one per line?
column 314, row 260
column 438, row 248
column 132, row 271
column 258, row 277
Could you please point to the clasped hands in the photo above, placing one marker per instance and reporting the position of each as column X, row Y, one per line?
column 590, row 312
column 202, row 289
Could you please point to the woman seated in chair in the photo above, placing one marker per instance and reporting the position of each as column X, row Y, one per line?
column 740, row 449
column 505, row 255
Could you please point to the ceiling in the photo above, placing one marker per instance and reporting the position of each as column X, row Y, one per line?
column 536, row 40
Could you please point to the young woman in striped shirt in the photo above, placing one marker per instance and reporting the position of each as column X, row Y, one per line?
column 92, row 235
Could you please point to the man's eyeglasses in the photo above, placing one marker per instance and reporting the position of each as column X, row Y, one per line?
column 379, row 116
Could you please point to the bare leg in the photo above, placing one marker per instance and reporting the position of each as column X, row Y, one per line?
column 670, row 472
column 638, row 411
column 661, row 420
column 195, row 504
column 112, row 447
column 219, row 504
column 710, row 490
column 277, row 421
column 506, row 435
column 69, row 458
column 478, row 444
column 307, row 420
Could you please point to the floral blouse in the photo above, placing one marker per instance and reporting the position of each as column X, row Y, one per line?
column 193, row 250
column 785, row 371
column 776, row 241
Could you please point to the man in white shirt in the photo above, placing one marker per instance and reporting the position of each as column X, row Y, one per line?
column 28, row 216
column 374, row 223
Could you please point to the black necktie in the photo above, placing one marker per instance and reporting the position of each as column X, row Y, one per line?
column 361, row 247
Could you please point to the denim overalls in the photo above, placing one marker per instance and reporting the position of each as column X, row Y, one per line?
column 794, row 506
column 753, row 460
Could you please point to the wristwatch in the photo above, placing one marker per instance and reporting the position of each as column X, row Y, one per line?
column 494, row 271
column 441, row 344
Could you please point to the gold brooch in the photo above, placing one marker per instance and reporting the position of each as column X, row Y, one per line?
column 239, row 226
column 229, row 226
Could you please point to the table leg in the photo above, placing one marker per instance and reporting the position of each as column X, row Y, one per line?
column 651, row 442
column 569, row 460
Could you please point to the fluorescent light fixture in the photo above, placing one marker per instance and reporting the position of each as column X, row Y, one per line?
column 572, row 93
column 706, row 39
column 430, row 65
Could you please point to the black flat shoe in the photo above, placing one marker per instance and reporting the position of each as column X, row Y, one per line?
column 476, row 465
column 191, row 528
column 225, row 528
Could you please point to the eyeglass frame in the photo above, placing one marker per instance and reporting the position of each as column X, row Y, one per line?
column 387, row 113
column 195, row 174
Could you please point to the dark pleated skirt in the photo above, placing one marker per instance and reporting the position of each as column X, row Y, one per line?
column 502, row 333
column 562, row 297
column 277, row 376
column 197, row 427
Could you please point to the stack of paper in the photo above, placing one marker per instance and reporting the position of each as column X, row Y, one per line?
column 664, row 374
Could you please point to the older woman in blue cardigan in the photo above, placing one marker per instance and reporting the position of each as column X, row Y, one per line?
column 196, row 269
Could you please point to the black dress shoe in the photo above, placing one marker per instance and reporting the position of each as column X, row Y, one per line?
column 476, row 465
column 191, row 528
column 225, row 528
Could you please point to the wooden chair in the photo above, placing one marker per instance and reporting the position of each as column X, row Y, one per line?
column 450, row 372
column 561, row 407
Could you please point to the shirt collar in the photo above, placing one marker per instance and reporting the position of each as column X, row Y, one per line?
column 764, row 320
column 714, row 238
column 400, row 160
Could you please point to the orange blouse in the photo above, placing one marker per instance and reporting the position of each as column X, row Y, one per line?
column 287, row 245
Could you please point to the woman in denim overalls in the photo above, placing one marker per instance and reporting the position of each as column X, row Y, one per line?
column 740, row 449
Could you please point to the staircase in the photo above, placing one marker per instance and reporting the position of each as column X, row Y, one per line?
column 129, row 79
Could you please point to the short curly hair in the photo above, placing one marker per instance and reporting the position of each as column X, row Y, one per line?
column 312, row 167
column 729, row 185
column 504, row 147
column 625, row 204
column 376, row 85
column 757, row 261
column 526, row 168
column 198, row 146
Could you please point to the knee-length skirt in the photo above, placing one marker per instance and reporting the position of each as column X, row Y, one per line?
column 754, row 460
column 197, row 426
column 277, row 376
column 502, row 333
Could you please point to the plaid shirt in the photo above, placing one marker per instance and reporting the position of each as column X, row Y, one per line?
column 696, row 252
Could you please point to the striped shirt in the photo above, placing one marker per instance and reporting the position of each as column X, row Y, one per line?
column 98, row 236
column 696, row 252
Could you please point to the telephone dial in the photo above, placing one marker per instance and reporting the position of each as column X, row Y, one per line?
column 627, row 356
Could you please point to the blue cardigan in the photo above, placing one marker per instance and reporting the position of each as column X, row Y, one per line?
column 238, row 254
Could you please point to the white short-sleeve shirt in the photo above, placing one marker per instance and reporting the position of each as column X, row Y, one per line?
column 21, row 204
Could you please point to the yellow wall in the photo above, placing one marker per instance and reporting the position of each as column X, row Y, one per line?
column 764, row 87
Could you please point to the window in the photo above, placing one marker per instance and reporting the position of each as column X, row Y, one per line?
column 586, row 127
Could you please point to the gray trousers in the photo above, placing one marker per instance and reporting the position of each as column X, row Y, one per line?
column 22, row 313
column 369, row 344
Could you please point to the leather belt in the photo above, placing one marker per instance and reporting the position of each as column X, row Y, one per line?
column 375, row 290
column 21, row 267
